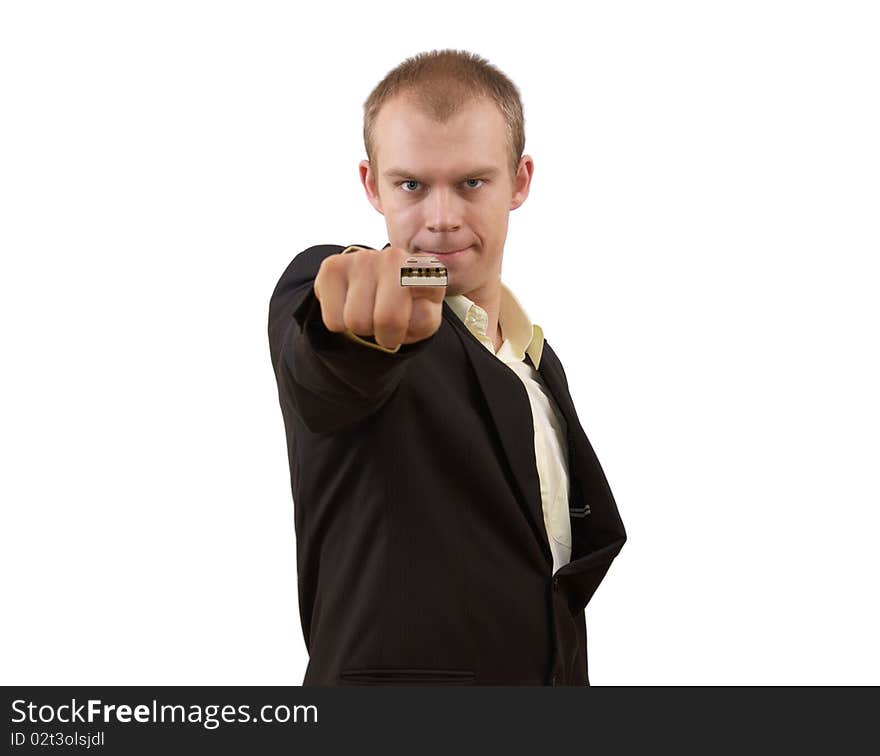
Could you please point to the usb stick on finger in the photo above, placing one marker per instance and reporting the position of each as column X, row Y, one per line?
column 424, row 270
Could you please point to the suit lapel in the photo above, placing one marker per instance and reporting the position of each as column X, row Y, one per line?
column 508, row 410
column 551, row 372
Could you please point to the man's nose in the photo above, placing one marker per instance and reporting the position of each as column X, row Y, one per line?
column 443, row 211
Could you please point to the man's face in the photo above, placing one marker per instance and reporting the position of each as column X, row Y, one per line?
column 445, row 187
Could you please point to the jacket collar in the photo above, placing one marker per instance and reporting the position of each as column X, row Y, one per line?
column 517, row 328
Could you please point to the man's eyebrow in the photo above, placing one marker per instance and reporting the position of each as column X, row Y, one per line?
column 489, row 170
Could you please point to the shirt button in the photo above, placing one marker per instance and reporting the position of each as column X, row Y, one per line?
column 556, row 584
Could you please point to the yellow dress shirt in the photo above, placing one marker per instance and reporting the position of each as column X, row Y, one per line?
column 521, row 337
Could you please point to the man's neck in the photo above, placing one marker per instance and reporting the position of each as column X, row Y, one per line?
column 499, row 339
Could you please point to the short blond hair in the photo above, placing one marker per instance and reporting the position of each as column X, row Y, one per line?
column 440, row 83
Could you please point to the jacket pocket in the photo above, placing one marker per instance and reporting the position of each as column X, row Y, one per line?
column 397, row 676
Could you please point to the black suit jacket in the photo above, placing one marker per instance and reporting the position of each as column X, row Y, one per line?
column 422, row 555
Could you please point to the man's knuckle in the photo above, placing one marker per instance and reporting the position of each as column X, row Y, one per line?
column 359, row 324
column 387, row 321
column 332, row 323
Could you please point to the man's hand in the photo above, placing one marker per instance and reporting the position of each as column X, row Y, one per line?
column 361, row 292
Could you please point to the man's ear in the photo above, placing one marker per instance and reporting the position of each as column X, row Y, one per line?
column 370, row 182
column 522, row 181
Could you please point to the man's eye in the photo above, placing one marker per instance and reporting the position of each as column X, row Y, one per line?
column 413, row 181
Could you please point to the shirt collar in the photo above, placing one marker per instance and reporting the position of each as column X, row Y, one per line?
column 517, row 328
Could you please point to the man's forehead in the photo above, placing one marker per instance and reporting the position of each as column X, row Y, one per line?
column 413, row 144
column 404, row 120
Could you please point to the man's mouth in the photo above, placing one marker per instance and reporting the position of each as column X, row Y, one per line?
column 443, row 253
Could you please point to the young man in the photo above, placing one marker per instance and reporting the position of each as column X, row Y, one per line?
column 452, row 520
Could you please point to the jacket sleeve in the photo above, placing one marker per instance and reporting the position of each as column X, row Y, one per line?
column 328, row 379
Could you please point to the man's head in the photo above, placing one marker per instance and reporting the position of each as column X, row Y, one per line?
column 444, row 138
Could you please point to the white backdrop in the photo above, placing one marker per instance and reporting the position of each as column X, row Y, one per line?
column 700, row 245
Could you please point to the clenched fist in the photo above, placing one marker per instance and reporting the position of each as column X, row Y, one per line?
column 360, row 292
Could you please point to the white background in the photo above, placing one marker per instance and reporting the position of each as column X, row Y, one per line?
column 700, row 246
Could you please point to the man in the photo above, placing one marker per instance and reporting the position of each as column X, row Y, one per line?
column 452, row 520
